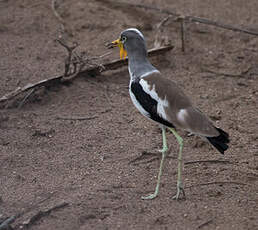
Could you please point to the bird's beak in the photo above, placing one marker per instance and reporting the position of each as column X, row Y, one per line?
column 118, row 43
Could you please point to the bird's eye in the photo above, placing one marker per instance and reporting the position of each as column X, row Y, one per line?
column 123, row 39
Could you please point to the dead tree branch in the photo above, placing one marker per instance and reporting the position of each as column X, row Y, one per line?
column 7, row 223
column 115, row 64
column 195, row 19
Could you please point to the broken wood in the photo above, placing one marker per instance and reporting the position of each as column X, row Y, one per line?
column 41, row 214
column 92, row 69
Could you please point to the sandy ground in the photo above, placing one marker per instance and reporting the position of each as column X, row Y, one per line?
column 100, row 167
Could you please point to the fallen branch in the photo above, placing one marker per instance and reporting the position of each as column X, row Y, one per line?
column 6, row 223
column 41, row 214
column 92, row 69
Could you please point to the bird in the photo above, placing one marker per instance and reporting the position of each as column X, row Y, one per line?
column 162, row 101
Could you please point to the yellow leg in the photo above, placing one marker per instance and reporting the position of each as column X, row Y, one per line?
column 180, row 188
column 164, row 153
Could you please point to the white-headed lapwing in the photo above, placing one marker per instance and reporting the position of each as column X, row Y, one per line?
column 162, row 101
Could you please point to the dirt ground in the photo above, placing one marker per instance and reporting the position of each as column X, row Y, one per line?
column 101, row 167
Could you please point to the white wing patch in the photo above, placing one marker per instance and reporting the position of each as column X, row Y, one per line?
column 181, row 115
column 149, row 73
column 161, row 104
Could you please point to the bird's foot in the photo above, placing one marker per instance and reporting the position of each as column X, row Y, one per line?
column 150, row 197
column 180, row 190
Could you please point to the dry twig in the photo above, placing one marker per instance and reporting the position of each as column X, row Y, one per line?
column 182, row 21
column 70, row 64
column 208, row 161
column 6, row 223
column 25, row 98
column 157, row 40
column 41, row 214
column 205, row 223
column 58, row 17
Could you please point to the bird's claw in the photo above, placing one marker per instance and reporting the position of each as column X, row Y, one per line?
column 180, row 190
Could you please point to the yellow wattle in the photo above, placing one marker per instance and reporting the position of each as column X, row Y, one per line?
column 123, row 52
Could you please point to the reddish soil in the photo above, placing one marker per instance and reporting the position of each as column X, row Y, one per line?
column 98, row 166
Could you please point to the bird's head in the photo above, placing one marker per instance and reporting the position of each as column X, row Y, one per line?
column 130, row 41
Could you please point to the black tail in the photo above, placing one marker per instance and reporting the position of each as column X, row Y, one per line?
column 220, row 142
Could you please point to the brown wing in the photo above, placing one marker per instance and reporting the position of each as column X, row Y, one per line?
column 180, row 111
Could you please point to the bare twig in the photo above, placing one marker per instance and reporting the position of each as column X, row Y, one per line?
column 92, row 69
column 76, row 118
column 219, row 182
column 41, row 214
column 25, row 98
column 6, row 224
column 10, row 220
column 208, row 161
column 68, row 61
column 182, row 21
column 56, row 14
column 157, row 40
column 205, row 223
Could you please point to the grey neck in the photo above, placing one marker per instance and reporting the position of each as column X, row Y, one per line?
column 138, row 66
